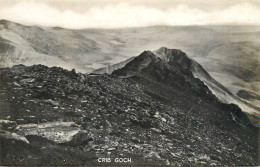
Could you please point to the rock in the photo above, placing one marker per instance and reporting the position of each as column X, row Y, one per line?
column 50, row 101
column 13, row 136
column 174, row 155
column 7, row 125
column 16, row 84
column 153, row 154
column 28, row 80
column 82, row 78
column 156, row 115
column 156, row 130
column 137, row 146
column 163, row 119
column 134, row 119
column 58, row 132
column 80, row 139
column 111, row 149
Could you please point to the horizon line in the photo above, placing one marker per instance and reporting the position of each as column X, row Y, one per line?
column 130, row 27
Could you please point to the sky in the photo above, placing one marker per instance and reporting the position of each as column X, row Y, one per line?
column 78, row 14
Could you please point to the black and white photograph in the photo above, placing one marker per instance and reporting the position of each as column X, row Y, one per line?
column 129, row 82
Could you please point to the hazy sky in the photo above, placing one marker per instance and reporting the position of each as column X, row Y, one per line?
column 129, row 13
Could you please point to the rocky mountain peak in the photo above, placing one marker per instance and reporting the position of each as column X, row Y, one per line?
column 164, row 52
column 163, row 58
column 175, row 68
column 173, row 55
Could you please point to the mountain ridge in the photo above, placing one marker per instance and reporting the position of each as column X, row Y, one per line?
column 175, row 57
column 160, row 114
column 231, row 59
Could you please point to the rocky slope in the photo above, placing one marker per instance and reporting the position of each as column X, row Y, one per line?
column 222, row 93
column 153, row 110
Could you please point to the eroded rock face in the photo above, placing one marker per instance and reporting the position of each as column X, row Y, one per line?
column 58, row 132
column 158, row 115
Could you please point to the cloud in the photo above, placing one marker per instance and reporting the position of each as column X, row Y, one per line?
column 125, row 15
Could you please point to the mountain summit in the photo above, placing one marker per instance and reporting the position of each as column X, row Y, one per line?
column 174, row 55
column 163, row 59
column 165, row 62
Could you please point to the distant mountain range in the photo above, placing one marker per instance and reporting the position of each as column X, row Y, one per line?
column 230, row 54
column 159, row 108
